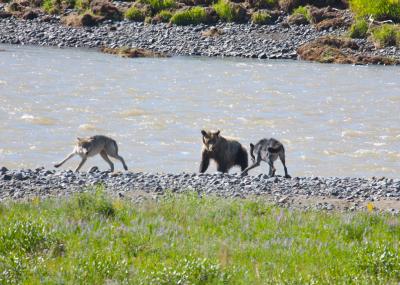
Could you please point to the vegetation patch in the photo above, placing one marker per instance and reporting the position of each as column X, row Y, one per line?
column 304, row 11
column 91, row 238
column 134, row 14
column 158, row 5
column 386, row 35
column 132, row 53
column 378, row 9
column 261, row 18
column 230, row 12
column 192, row 16
column 359, row 29
column 164, row 16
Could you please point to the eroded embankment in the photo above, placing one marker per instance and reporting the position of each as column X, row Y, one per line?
column 299, row 192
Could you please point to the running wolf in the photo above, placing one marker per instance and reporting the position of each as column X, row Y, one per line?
column 88, row 147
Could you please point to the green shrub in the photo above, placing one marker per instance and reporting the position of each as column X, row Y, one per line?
column 190, row 271
column 359, row 29
column 378, row 9
column 165, row 16
column 56, row 6
column 134, row 14
column 158, row 5
column 225, row 10
column 192, row 16
column 261, row 17
column 302, row 11
column 386, row 35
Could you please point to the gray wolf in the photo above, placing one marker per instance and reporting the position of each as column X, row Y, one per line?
column 267, row 150
column 88, row 147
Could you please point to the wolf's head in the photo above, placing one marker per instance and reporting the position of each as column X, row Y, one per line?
column 211, row 139
column 84, row 145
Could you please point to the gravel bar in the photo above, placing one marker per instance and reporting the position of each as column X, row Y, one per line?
column 25, row 184
column 278, row 41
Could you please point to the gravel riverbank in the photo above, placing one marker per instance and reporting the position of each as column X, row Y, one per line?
column 278, row 41
column 303, row 192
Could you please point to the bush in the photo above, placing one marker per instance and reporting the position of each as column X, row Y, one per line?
column 134, row 14
column 359, row 29
column 158, row 5
column 192, row 16
column 261, row 17
column 230, row 12
column 164, row 16
column 386, row 35
column 302, row 11
column 378, row 9
column 225, row 10
column 56, row 6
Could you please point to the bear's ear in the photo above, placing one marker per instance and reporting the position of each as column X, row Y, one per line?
column 204, row 133
column 217, row 133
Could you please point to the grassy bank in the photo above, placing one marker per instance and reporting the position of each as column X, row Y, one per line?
column 94, row 239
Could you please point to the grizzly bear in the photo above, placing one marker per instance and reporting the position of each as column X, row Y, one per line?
column 224, row 151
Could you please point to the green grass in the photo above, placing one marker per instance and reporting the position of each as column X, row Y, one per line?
column 134, row 14
column 359, row 29
column 378, row 9
column 165, row 16
column 193, row 16
column 261, row 17
column 302, row 10
column 225, row 11
column 93, row 239
column 158, row 5
column 386, row 35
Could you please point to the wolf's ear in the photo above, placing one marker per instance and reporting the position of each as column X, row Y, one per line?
column 204, row 133
column 217, row 133
column 251, row 146
column 79, row 139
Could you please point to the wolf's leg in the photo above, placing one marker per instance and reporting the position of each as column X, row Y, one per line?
column 122, row 161
column 254, row 165
column 117, row 156
column 282, row 158
column 69, row 156
column 271, row 167
column 81, row 164
column 105, row 157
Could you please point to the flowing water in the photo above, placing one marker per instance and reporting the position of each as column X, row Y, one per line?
column 334, row 120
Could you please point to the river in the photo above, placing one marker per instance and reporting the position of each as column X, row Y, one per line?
column 334, row 120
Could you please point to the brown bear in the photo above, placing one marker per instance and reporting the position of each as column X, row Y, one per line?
column 224, row 151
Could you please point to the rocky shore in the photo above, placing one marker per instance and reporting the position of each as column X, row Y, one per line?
column 299, row 192
column 276, row 41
